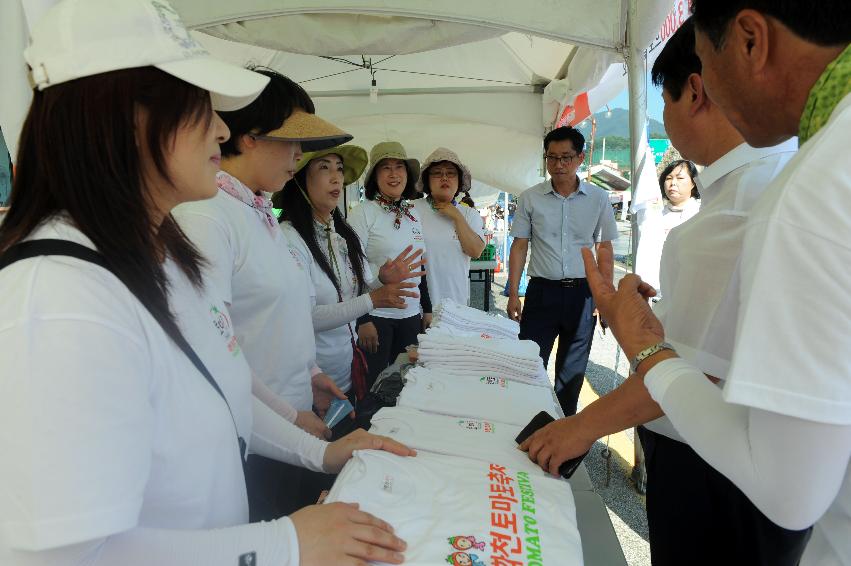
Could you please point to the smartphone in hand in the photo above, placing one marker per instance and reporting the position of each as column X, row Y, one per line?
column 539, row 421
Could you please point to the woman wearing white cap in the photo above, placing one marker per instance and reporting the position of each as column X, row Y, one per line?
column 128, row 397
column 327, row 244
column 386, row 223
column 453, row 231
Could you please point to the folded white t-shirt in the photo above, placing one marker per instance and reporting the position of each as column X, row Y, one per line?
column 487, row 397
column 463, row 317
column 478, row 439
column 464, row 512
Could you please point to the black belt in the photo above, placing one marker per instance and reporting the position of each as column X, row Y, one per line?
column 574, row 282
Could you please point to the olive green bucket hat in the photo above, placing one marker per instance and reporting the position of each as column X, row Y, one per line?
column 354, row 160
column 391, row 150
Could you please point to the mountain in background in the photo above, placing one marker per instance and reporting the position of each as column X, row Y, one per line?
column 618, row 125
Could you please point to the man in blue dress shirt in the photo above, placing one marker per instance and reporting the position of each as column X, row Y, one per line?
column 559, row 216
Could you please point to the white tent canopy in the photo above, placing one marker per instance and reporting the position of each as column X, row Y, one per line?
column 485, row 78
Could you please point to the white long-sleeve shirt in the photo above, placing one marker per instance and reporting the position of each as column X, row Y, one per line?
column 785, row 437
column 124, row 454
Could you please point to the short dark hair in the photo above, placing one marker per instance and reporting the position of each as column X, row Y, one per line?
column 566, row 133
column 370, row 188
column 268, row 111
column 425, row 179
column 677, row 61
column 692, row 172
column 826, row 23
column 78, row 155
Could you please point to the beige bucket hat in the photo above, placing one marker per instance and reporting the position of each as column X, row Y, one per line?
column 391, row 150
column 313, row 132
column 443, row 154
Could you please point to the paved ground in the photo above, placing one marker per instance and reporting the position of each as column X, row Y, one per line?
column 625, row 505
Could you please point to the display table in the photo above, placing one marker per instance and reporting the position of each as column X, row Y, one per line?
column 600, row 545
column 484, row 273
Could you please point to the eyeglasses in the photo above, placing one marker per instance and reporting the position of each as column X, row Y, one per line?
column 437, row 173
column 561, row 158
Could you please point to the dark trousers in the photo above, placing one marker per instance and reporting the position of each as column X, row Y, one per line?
column 697, row 516
column 274, row 488
column 393, row 336
column 553, row 310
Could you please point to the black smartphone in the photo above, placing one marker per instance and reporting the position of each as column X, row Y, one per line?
column 539, row 421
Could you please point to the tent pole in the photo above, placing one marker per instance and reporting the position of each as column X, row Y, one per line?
column 636, row 64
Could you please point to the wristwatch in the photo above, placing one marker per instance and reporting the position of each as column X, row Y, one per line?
column 647, row 352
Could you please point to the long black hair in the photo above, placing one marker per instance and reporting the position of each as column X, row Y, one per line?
column 78, row 155
column 297, row 210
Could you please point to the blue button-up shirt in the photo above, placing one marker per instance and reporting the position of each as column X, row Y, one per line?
column 561, row 226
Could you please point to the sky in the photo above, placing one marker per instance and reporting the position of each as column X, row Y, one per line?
column 654, row 101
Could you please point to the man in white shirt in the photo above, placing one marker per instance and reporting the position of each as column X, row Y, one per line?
column 781, row 427
column 699, row 278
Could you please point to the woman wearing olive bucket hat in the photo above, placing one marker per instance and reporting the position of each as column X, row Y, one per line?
column 387, row 224
column 127, row 396
column 453, row 231
column 328, row 246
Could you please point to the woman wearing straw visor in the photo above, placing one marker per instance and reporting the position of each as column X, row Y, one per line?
column 453, row 231
column 328, row 246
column 386, row 224
column 127, row 406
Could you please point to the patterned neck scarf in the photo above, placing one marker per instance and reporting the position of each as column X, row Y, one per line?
column 261, row 204
column 399, row 208
column 831, row 87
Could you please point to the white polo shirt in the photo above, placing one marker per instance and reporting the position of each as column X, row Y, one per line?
column 448, row 269
column 382, row 241
column 792, row 350
column 700, row 264
column 109, row 426
column 267, row 290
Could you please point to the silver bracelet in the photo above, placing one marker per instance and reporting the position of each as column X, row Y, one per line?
column 647, row 352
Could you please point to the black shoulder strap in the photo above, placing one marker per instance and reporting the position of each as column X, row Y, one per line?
column 34, row 248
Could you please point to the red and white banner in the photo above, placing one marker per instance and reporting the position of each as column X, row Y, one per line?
column 614, row 81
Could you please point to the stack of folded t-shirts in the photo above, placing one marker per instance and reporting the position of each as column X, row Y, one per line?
column 516, row 360
column 486, row 397
column 460, row 511
column 467, row 319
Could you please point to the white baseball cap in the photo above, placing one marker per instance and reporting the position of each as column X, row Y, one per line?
column 81, row 38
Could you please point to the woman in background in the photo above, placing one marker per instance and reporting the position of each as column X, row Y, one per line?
column 386, row 224
column 454, row 232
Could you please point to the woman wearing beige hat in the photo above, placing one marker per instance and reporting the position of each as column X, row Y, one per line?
column 453, row 231
column 267, row 290
column 344, row 283
column 129, row 400
column 386, row 224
